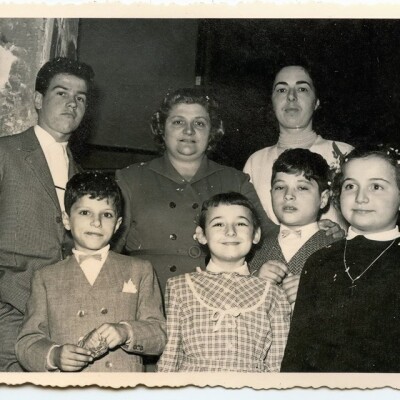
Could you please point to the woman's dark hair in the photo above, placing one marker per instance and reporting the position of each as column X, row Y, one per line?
column 188, row 96
column 98, row 185
column 306, row 66
column 230, row 199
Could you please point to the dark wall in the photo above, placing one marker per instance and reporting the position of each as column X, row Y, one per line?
column 355, row 65
column 136, row 62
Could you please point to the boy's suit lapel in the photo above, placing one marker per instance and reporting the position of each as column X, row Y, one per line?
column 37, row 162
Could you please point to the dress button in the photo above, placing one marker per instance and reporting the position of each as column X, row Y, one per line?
column 172, row 268
column 172, row 236
column 194, row 252
column 172, row 204
column 81, row 313
column 195, row 205
column 58, row 220
column 104, row 310
column 109, row 364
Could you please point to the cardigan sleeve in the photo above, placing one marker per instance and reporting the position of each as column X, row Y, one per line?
column 119, row 241
column 170, row 359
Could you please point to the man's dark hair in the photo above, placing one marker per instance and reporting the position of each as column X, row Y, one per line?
column 98, row 185
column 63, row 65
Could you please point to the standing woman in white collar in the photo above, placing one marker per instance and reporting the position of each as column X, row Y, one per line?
column 294, row 100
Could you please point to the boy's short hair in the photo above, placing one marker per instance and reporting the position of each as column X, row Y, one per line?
column 98, row 185
column 303, row 161
column 230, row 199
column 63, row 65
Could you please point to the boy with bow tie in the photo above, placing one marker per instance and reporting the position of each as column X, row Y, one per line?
column 96, row 311
column 300, row 194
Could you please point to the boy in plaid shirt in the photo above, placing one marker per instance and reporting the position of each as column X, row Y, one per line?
column 224, row 319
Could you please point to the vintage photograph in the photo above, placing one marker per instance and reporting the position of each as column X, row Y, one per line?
column 200, row 195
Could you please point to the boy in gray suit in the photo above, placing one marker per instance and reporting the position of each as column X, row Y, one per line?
column 96, row 311
column 300, row 194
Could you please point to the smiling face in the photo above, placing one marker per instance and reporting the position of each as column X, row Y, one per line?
column 294, row 99
column 370, row 197
column 229, row 234
column 62, row 107
column 92, row 223
column 187, row 131
column 296, row 200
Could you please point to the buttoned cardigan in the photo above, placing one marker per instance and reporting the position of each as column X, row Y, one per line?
column 162, row 209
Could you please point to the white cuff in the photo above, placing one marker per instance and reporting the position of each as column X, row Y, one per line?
column 49, row 364
column 130, row 329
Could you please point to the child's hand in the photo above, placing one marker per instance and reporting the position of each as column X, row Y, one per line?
column 70, row 357
column 331, row 228
column 114, row 334
column 273, row 270
column 290, row 285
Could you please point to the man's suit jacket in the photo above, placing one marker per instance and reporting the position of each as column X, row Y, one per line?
column 31, row 230
column 63, row 307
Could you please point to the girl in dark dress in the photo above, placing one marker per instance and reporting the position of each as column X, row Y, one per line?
column 347, row 314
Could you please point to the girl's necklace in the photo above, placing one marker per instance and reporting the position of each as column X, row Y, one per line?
column 347, row 269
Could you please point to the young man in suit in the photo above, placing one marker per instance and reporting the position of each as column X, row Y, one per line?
column 111, row 301
column 34, row 168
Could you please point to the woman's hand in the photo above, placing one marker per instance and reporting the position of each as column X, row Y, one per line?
column 331, row 228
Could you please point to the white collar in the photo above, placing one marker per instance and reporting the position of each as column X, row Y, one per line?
column 379, row 236
column 44, row 138
column 242, row 270
column 292, row 140
column 103, row 252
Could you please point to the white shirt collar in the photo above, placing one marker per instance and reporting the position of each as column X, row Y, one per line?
column 379, row 236
column 91, row 267
column 291, row 244
column 44, row 138
column 242, row 270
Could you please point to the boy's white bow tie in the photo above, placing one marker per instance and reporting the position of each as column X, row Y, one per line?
column 287, row 232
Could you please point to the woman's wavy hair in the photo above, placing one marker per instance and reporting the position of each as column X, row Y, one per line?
column 188, row 96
